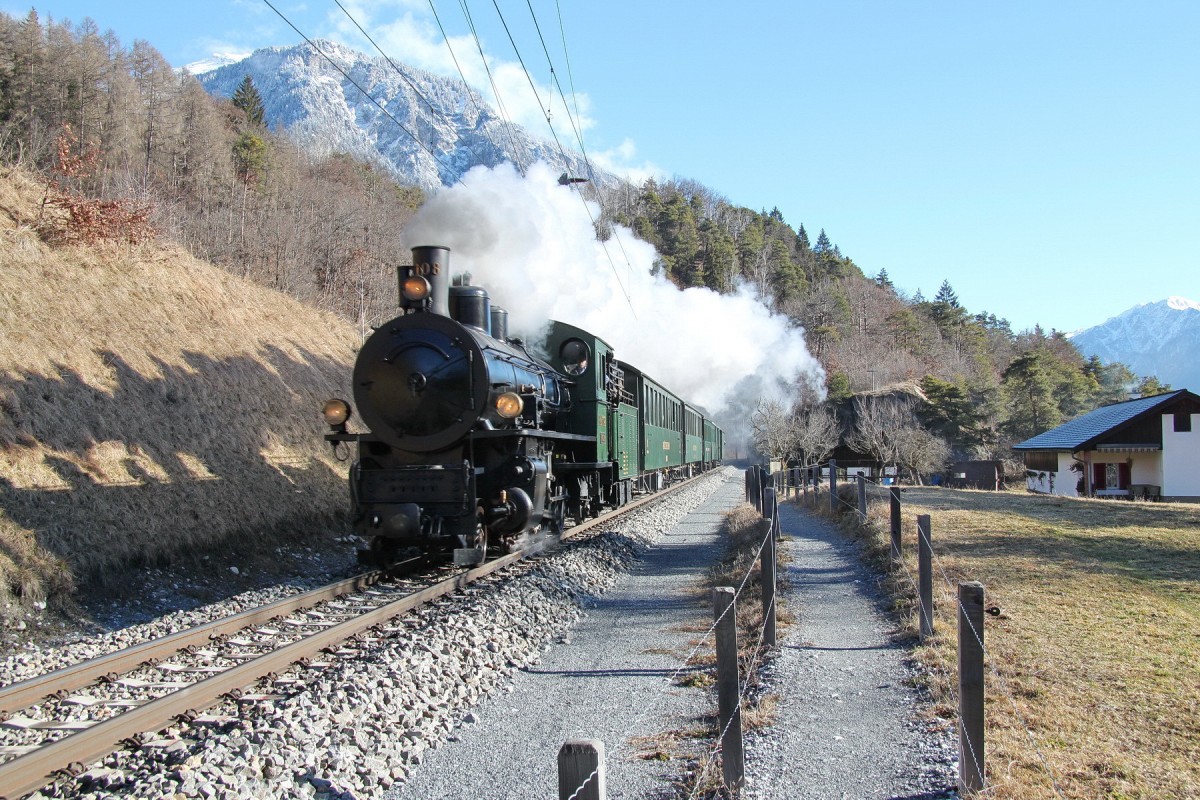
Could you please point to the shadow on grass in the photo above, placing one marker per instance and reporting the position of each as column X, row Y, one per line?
column 211, row 455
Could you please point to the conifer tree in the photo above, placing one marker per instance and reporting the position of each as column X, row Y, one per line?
column 823, row 245
column 250, row 102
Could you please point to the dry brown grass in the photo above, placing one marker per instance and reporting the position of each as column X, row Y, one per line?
column 1093, row 689
column 151, row 405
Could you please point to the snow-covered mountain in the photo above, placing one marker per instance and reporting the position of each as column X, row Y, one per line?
column 1161, row 339
column 326, row 113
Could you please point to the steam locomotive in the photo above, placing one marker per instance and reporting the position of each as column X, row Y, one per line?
column 476, row 441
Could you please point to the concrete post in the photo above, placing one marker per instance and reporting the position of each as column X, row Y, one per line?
column 832, row 486
column 862, row 496
column 894, row 493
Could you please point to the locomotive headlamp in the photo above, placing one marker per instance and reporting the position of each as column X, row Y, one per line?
column 509, row 405
column 574, row 354
column 414, row 288
column 336, row 412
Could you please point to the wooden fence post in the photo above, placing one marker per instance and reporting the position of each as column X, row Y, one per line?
column 862, row 496
column 767, row 573
column 894, row 493
column 971, row 773
column 925, row 575
column 832, row 486
column 728, row 695
column 581, row 770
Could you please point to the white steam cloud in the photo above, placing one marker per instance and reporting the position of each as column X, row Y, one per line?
column 531, row 244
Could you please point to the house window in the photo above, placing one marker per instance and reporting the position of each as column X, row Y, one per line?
column 1183, row 423
column 1111, row 476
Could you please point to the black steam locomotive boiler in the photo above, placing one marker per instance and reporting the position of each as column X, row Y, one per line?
column 460, row 453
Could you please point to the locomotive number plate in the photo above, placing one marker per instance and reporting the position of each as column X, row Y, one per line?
column 413, row 486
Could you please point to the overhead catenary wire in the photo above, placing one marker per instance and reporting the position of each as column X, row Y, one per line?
column 356, row 85
column 577, row 126
column 509, row 125
column 400, row 72
column 554, row 133
column 491, row 78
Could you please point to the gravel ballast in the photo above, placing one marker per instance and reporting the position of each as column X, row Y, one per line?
column 610, row 681
column 368, row 718
column 474, row 695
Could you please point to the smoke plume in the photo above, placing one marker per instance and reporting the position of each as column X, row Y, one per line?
column 531, row 244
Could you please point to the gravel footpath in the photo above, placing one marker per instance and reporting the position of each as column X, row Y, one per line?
column 610, row 681
column 848, row 725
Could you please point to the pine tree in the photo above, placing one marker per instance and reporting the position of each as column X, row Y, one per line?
column 884, row 281
column 802, row 244
column 947, row 313
column 823, row 245
column 250, row 102
column 947, row 296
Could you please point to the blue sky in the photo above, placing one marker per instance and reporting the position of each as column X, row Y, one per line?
column 1042, row 157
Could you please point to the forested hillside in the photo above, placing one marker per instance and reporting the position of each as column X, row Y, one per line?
column 133, row 149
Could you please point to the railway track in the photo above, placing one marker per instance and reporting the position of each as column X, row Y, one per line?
column 56, row 724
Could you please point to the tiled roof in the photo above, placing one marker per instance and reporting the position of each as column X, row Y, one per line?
column 1081, row 430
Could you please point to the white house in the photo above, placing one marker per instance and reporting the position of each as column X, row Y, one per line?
column 1149, row 447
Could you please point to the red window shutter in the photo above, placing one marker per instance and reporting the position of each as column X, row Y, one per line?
column 1098, row 481
column 1123, row 475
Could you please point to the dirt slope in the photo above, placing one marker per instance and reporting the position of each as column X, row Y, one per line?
column 151, row 404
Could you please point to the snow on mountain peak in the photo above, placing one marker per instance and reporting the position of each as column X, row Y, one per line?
column 215, row 61
column 1182, row 304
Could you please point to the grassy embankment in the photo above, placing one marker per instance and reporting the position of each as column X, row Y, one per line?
column 1093, row 683
column 151, row 406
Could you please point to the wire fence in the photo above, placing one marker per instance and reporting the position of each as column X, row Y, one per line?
column 797, row 482
column 949, row 587
column 710, row 757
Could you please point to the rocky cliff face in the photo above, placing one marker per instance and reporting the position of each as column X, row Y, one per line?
column 422, row 128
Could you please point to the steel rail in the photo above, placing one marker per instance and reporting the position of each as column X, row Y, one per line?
column 29, row 692
column 28, row 773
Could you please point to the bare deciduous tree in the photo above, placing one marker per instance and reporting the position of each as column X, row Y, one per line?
column 773, row 429
column 877, row 421
column 920, row 452
column 816, row 434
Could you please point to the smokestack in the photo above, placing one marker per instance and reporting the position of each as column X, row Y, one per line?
column 433, row 264
column 499, row 324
